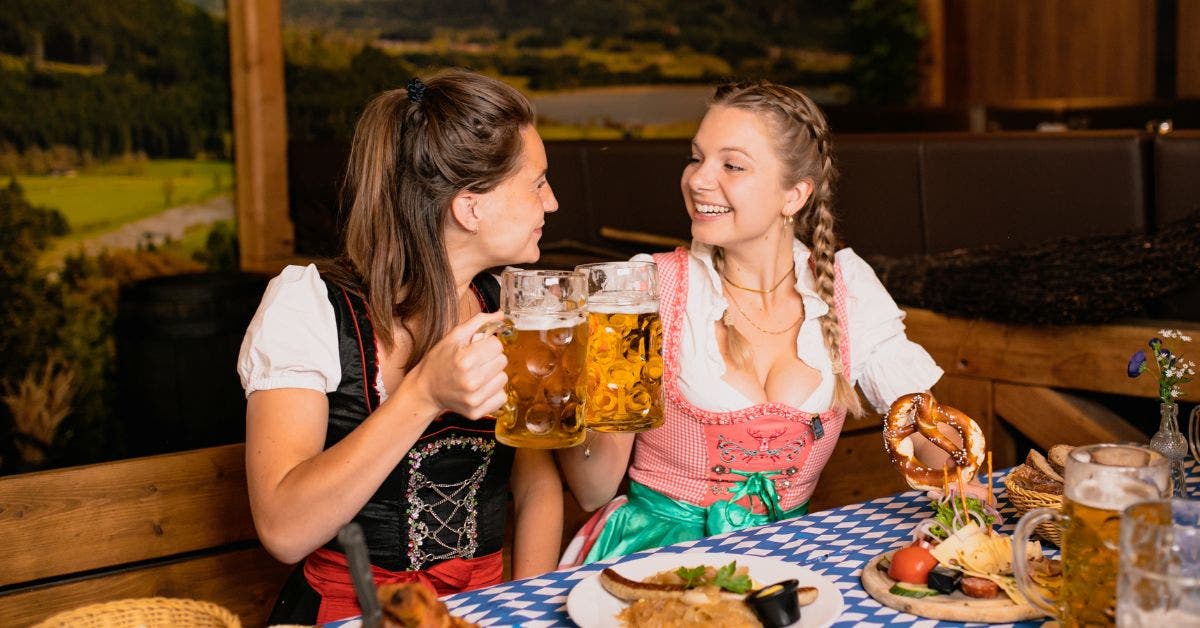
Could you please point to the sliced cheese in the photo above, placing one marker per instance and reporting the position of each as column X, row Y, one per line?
column 972, row 549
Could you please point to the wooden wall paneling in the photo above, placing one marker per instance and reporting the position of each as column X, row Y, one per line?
column 1049, row 417
column 1079, row 357
column 1187, row 52
column 265, row 230
column 1013, row 50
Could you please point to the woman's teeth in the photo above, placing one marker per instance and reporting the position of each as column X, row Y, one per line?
column 712, row 210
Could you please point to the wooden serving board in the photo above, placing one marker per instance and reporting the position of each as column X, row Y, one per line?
column 953, row 607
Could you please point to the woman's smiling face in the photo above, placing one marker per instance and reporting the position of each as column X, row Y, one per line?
column 733, row 184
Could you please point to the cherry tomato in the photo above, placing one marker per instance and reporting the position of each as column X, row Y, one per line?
column 912, row 564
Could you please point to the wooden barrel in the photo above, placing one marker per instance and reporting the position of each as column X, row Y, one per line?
column 177, row 345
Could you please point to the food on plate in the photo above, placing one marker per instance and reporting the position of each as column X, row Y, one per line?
column 970, row 563
column 694, row 596
column 921, row 413
column 414, row 605
column 681, row 614
column 912, row 565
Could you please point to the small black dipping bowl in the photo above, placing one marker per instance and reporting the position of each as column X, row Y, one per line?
column 776, row 604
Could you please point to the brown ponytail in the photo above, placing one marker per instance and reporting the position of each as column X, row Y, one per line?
column 805, row 148
column 409, row 157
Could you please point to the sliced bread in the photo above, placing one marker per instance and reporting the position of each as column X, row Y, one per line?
column 1057, row 457
column 1031, row 479
column 1036, row 460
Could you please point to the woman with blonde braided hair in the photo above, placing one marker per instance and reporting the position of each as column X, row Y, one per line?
column 766, row 329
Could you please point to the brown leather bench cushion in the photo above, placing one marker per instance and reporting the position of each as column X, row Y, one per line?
column 878, row 197
column 1016, row 190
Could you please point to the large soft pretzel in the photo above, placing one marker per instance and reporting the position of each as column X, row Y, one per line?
column 920, row 412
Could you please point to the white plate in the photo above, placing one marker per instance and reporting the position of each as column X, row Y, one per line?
column 590, row 606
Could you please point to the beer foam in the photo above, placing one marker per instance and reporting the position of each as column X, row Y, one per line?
column 546, row 322
column 623, row 306
column 1111, row 493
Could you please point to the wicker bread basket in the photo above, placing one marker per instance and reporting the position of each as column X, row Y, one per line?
column 148, row 612
column 1025, row 500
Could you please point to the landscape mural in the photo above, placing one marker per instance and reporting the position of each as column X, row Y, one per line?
column 116, row 141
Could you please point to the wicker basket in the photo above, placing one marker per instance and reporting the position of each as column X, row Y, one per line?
column 1025, row 500
column 148, row 612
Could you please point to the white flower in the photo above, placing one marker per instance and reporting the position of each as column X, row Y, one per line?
column 1175, row 392
column 1185, row 338
column 1167, row 333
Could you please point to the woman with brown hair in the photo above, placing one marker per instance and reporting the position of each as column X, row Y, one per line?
column 368, row 387
column 766, row 329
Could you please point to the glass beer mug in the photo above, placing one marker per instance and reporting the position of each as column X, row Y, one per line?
column 1159, row 582
column 1099, row 481
column 624, row 365
column 544, row 334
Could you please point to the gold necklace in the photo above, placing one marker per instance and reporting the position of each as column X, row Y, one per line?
column 760, row 291
column 755, row 325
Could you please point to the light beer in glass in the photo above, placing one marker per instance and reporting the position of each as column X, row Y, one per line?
column 545, row 340
column 1099, row 481
column 624, row 365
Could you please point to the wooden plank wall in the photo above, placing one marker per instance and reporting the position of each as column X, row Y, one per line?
column 999, row 51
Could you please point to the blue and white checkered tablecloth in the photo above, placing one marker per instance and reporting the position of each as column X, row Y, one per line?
column 836, row 543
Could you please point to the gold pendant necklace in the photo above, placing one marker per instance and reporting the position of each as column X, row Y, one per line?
column 758, row 290
column 755, row 325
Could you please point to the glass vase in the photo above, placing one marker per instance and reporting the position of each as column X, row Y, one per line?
column 1170, row 442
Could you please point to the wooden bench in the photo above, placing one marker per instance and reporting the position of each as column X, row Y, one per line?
column 173, row 525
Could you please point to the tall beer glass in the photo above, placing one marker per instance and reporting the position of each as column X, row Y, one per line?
column 545, row 340
column 624, row 366
column 1099, row 481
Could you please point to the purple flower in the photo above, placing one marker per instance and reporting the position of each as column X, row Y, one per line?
column 1155, row 343
column 1137, row 364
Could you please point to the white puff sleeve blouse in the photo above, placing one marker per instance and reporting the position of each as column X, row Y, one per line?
column 884, row 362
column 292, row 340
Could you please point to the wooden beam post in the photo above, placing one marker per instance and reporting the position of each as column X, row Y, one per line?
column 265, row 231
column 931, row 92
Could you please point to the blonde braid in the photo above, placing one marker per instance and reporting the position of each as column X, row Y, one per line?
column 818, row 221
column 805, row 148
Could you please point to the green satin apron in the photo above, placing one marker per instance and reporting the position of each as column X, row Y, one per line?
column 650, row 519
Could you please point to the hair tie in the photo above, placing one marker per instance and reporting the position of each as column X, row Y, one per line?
column 416, row 90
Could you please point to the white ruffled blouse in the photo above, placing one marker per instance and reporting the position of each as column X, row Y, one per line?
column 884, row 362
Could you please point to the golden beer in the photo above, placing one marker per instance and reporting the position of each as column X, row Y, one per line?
column 1090, row 536
column 624, row 368
column 1098, row 483
column 544, row 409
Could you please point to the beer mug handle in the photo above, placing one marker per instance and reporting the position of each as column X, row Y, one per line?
column 1025, row 527
column 502, row 328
